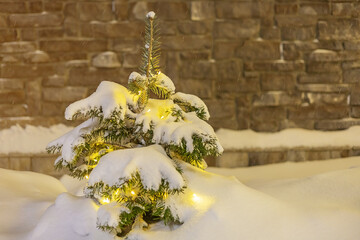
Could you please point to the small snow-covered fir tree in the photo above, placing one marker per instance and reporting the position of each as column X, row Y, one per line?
column 131, row 142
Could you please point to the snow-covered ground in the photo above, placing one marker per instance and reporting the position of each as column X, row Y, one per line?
column 32, row 139
column 308, row 200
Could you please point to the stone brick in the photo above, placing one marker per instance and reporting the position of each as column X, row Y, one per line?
column 199, row 55
column 319, row 8
column 11, row 84
column 346, row 9
column 36, row 6
column 330, row 125
column 17, row 47
column 296, row 156
column 126, row 45
column 51, row 33
column 106, row 60
column 13, row 110
column 243, row 9
column 295, row 21
column 195, row 27
column 338, row 88
column 115, row 30
column 233, row 159
column 259, row 50
column 202, row 10
column 298, row 33
column 327, row 98
column 351, row 76
column 84, row 76
column 173, row 10
column 286, row 8
column 352, row 45
column 7, row 35
column 355, row 112
column 4, row 162
column 277, row 81
column 301, row 112
column 12, row 7
column 33, row 96
column 322, row 67
column 261, row 158
column 36, row 57
column 54, row 81
column 20, row 163
column 225, row 49
column 242, row 29
column 66, row 94
column 320, row 78
column 276, row 99
column 95, row 11
column 331, row 112
column 198, row 70
column 268, row 113
column 53, row 6
column 318, row 155
column 323, row 55
column 339, row 29
column 271, row 33
column 73, row 45
column 29, row 71
column 43, row 165
column 282, row 66
column 196, row 87
column 53, row 109
column 229, row 69
column 35, row 20
column 355, row 96
column 12, row 97
column 131, row 60
column 186, row 43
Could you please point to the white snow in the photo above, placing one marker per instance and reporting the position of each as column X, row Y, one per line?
column 150, row 162
column 73, row 138
column 318, row 204
column 193, row 101
column 109, row 96
column 150, row 14
column 31, row 139
column 288, row 138
column 166, row 82
column 108, row 214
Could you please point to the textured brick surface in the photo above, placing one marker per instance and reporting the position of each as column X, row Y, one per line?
column 265, row 65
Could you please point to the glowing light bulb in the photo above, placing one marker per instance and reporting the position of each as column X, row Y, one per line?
column 162, row 117
column 139, row 92
column 132, row 192
column 149, row 110
column 87, row 176
column 196, row 198
column 105, row 201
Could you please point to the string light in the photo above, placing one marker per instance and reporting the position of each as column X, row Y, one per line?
column 133, row 193
column 162, row 117
column 149, row 110
column 87, row 176
column 196, row 198
column 105, row 200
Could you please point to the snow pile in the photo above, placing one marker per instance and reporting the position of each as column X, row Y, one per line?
column 318, row 204
column 288, row 138
column 150, row 162
column 31, row 139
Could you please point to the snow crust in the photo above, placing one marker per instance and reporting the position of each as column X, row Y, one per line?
column 72, row 138
column 318, row 204
column 150, row 14
column 166, row 82
column 31, row 139
column 288, row 138
column 108, row 214
column 109, row 96
column 150, row 162
column 193, row 100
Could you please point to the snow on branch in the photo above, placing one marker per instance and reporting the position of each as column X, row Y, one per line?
column 109, row 98
column 151, row 163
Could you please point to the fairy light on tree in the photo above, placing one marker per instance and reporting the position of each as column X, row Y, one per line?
column 130, row 145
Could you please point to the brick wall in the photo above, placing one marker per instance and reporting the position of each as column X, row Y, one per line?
column 265, row 65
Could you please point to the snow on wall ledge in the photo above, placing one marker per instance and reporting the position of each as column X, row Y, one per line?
column 288, row 138
column 31, row 139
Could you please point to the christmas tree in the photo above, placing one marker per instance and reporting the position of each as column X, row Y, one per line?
column 131, row 143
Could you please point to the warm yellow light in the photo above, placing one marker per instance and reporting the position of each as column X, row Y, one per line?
column 87, row 176
column 139, row 92
column 162, row 117
column 196, row 198
column 105, row 200
column 149, row 110
column 133, row 193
